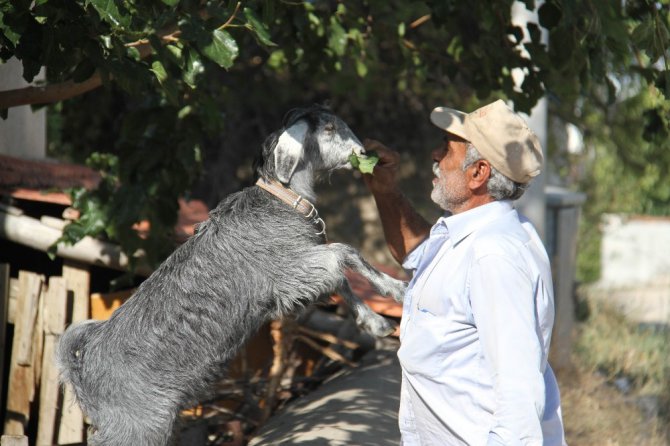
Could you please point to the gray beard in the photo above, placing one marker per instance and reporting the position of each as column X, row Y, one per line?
column 445, row 198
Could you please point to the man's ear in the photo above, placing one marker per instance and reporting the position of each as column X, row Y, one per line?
column 289, row 150
column 478, row 173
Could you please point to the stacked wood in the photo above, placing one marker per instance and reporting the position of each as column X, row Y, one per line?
column 40, row 313
column 23, row 367
column 284, row 360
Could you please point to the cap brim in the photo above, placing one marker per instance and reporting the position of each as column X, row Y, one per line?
column 449, row 120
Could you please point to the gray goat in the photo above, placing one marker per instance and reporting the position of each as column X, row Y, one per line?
column 255, row 258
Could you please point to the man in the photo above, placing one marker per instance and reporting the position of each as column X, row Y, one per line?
column 479, row 310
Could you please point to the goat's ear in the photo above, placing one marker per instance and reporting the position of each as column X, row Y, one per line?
column 289, row 150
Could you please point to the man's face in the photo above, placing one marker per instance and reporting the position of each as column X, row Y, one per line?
column 450, row 189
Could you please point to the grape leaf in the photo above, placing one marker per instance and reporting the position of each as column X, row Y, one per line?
column 365, row 163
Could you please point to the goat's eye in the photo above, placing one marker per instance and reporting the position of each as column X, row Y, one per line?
column 329, row 127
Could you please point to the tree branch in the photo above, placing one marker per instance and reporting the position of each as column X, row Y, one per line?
column 68, row 89
column 48, row 93
column 420, row 21
column 232, row 17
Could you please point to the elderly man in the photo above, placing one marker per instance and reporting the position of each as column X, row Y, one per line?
column 479, row 310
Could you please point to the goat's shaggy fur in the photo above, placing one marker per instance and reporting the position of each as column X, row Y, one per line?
column 254, row 259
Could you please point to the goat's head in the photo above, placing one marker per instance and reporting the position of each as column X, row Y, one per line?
column 312, row 139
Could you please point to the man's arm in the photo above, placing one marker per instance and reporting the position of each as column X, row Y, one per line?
column 503, row 306
column 404, row 228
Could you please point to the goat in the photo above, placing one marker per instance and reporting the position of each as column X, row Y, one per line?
column 255, row 258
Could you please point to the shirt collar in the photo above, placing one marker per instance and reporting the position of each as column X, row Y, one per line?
column 461, row 225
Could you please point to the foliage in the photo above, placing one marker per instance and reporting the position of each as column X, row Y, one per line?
column 621, row 103
column 618, row 348
column 187, row 82
column 617, row 390
column 621, row 168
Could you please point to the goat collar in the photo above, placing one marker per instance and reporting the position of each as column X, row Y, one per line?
column 297, row 202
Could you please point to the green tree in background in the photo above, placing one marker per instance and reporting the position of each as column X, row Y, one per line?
column 177, row 91
column 622, row 168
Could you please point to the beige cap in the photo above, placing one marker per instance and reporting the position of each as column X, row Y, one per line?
column 501, row 136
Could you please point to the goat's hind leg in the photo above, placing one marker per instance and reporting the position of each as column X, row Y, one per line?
column 122, row 428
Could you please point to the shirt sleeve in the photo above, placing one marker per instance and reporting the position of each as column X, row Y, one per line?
column 412, row 260
column 502, row 296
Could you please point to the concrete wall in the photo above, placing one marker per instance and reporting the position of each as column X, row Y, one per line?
column 23, row 133
column 635, row 250
column 635, row 256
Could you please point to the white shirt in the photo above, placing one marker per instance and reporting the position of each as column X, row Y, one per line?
column 475, row 335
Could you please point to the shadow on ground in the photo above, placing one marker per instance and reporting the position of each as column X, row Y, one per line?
column 358, row 406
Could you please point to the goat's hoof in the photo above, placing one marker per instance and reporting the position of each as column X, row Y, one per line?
column 377, row 326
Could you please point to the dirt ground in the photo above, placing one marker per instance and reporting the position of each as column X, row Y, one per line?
column 596, row 413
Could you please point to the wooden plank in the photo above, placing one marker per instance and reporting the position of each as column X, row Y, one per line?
column 4, row 315
column 77, row 282
column 11, row 210
column 30, row 287
column 71, row 429
column 13, row 293
column 55, row 314
column 21, row 374
column 38, row 341
column 13, row 440
column 31, row 232
column 53, row 222
column 55, row 309
column 77, row 279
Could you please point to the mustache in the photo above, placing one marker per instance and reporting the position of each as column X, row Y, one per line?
column 436, row 170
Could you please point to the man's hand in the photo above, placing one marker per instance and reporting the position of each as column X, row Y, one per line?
column 404, row 228
column 384, row 178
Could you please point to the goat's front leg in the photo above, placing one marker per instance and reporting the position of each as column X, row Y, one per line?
column 383, row 283
column 323, row 270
